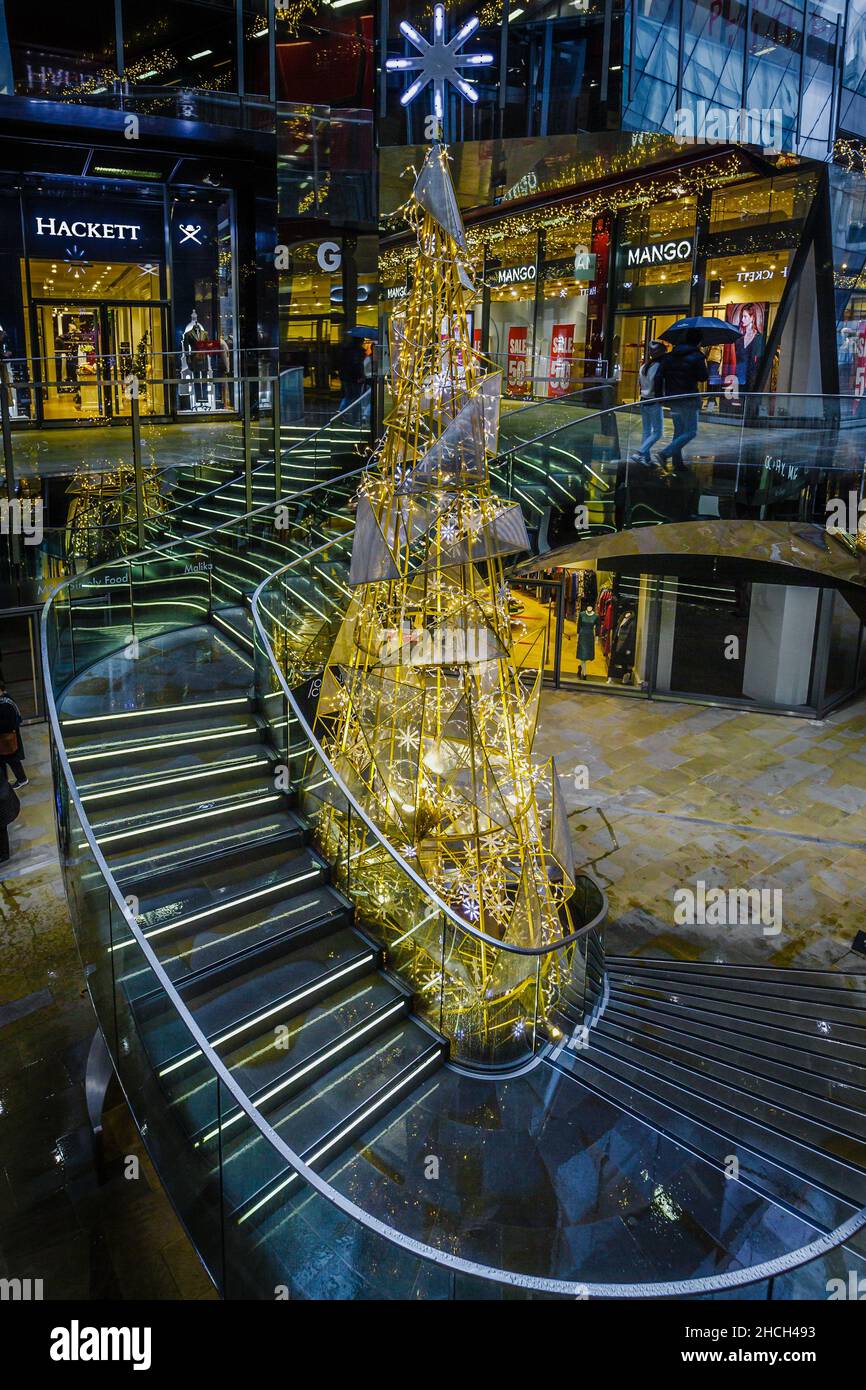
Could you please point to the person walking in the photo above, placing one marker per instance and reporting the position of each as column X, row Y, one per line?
column 11, row 746
column 683, row 373
column 650, row 383
column 9, row 808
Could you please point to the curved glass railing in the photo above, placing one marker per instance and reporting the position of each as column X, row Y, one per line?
column 212, row 478
column 761, row 457
column 311, row 1240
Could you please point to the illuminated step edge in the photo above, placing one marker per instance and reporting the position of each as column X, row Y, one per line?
column 352, row 1124
column 305, row 994
column 347, row 1043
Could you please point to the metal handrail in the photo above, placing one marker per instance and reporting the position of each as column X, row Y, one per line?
column 635, row 406
column 428, row 1254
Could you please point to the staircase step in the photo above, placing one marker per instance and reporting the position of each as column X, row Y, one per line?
column 318, row 1122
column 821, row 1074
column 720, row 1059
column 174, row 807
column 836, row 1172
column 814, row 1051
column 807, row 986
column 291, row 1052
column 97, row 728
column 103, row 782
column 200, row 841
column 838, row 1023
column 704, row 1129
column 210, row 946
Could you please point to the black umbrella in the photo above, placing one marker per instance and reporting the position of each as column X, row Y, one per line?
column 712, row 331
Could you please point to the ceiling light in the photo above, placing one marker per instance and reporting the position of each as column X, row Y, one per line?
column 205, row 53
column 151, row 72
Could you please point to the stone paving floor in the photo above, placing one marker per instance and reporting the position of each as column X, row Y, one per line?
column 84, row 1238
column 663, row 794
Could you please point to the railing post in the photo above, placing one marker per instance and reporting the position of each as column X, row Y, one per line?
column 8, row 460
column 349, row 853
column 537, row 992
column 136, row 466
column 442, row 976
column 278, row 463
column 248, row 455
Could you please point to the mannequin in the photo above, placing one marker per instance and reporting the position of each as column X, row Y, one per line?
column 622, row 653
column 587, row 627
column 194, row 336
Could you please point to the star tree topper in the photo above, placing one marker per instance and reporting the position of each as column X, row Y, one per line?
column 439, row 62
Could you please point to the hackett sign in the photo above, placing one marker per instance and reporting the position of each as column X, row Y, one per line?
column 660, row 252
column 88, row 231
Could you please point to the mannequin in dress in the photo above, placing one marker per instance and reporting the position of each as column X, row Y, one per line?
column 587, row 627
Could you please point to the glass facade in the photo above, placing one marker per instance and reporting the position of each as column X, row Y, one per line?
column 107, row 281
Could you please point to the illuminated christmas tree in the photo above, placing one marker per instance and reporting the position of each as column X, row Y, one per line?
column 423, row 708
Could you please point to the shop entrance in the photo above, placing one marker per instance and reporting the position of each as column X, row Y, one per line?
column 89, row 351
column 91, row 326
column 633, row 334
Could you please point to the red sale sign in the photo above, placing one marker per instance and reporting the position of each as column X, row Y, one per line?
column 561, row 355
column 518, row 380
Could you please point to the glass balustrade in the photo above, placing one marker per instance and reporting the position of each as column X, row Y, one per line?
column 267, row 1225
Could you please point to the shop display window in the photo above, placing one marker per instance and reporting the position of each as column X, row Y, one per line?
column 745, row 291
column 512, row 278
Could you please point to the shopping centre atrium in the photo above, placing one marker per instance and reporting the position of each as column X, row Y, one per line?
column 433, row 657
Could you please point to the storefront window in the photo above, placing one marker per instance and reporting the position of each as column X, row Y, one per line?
column 315, row 317
column 563, row 327
column 655, row 255
column 203, row 301
column 62, row 58
column 512, row 279
column 93, row 286
column 744, row 291
column 762, row 202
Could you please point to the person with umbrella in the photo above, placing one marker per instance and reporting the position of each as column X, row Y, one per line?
column 684, row 375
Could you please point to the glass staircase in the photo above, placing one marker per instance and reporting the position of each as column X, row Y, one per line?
column 292, row 1089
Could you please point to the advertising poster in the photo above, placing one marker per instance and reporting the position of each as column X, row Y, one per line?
column 517, row 376
column 561, row 355
column 742, row 358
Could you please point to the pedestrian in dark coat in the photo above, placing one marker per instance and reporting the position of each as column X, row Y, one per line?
column 9, row 808
column 11, row 745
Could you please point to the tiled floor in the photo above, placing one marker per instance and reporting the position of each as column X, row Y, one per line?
column 662, row 795
column 58, row 1223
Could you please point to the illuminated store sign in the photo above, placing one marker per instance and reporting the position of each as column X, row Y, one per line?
column 749, row 276
column 88, row 231
column 660, row 252
column 513, row 275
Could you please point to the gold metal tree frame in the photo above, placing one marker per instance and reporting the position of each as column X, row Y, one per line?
column 423, row 710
